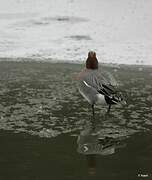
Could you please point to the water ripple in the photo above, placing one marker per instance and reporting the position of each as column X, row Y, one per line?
column 42, row 99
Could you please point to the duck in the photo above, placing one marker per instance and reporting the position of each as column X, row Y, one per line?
column 95, row 88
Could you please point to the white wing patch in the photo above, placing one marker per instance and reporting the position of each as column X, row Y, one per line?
column 86, row 84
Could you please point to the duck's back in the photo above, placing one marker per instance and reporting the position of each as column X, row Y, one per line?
column 93, row 78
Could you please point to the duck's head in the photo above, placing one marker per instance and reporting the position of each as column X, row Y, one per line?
column 92, row 62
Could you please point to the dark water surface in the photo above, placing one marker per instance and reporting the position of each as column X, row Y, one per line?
column 45, row 128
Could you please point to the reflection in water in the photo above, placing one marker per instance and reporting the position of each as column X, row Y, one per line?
column 92, row 142
column 91, row 159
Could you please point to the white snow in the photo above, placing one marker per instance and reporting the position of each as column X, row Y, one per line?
column 118, row 30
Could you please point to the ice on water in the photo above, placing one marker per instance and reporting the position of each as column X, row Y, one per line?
column 119, row 31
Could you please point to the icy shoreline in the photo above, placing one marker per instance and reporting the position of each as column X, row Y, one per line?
column 78, row 62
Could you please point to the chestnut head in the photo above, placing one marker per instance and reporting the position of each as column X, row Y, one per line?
column 92, row 62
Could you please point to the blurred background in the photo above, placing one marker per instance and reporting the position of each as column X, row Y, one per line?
column 64, row 30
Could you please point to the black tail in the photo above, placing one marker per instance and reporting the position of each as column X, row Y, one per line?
column 112, row 94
